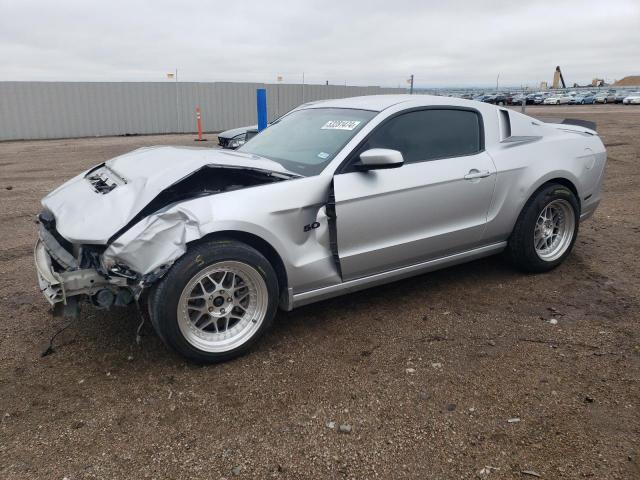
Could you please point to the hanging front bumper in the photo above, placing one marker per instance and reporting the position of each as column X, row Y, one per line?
column 58, row 286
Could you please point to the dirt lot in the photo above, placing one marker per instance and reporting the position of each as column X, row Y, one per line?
column 428, row 372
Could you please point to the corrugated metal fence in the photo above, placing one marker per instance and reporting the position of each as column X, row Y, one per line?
column 34, row 110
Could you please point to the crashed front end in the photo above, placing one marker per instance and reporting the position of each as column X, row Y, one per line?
column 67, row 272
column 111, row 232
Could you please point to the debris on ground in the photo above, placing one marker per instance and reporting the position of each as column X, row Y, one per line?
column 486, row 470
column 531, row 473
column 344, row 428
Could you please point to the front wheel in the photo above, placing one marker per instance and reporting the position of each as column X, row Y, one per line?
column 216, row 301
column 546, row 229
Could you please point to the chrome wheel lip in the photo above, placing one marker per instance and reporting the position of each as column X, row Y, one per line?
column 243, row 329
column 554, row 230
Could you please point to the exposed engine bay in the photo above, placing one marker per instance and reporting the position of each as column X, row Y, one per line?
column 208, row 180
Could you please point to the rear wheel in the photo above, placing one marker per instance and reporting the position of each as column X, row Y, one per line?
column 216, row 301
column 604, row 101
column 546, row 229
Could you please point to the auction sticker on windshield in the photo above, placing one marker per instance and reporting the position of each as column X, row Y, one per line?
column 341, row 125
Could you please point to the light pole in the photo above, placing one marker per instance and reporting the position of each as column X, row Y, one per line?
column 175, row 77
column 497, row 82
column 279, row 78
column 177, row 103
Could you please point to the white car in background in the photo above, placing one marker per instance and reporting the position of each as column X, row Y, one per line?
column 557, row 100
column 632, row 99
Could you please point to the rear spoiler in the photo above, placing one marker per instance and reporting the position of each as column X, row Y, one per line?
column 580, row 123
column 570, row 121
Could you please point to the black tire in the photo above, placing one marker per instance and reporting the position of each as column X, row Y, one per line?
column 582, row 102
column 604, row 101
column 521, row 249
column 165, row 296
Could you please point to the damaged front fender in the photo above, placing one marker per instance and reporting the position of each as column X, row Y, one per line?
column 157, row 240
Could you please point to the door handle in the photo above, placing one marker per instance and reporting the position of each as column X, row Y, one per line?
column 474, row 173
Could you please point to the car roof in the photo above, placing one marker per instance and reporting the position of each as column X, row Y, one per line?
column 378, row 103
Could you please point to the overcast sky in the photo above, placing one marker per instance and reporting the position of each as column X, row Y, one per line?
column 369, row 42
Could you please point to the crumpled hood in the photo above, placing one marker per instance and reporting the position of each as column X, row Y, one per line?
column 85, row 215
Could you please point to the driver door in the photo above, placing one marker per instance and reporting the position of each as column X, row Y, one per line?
column 434, row 205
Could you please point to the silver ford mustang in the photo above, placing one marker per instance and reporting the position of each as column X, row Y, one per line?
column 333, row 197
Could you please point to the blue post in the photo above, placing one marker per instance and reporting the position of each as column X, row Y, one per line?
column 261, row 97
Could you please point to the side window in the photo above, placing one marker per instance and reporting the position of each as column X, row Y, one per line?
column 429, row 134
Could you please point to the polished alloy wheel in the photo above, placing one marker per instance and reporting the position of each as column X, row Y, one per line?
column 554, row 230
column 222, row 306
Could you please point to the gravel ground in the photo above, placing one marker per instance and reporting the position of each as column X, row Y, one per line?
column 454, row 374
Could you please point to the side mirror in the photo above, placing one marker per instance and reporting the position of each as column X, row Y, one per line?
column 379, row 158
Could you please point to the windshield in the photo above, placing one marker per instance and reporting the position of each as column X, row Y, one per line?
column 305, row 141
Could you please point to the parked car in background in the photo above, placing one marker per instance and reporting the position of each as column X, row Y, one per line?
column 540, row 97
column 632, row 99
column 584, row 98
column 481, row 98
column 328, row 200
column 557, row 99
column 234, row 138
column 605, row 97
column 517, row 99
column 576, row 99
column 496, row 99
column 621, row 95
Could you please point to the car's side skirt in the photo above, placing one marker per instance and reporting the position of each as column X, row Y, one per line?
column 323, row 293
